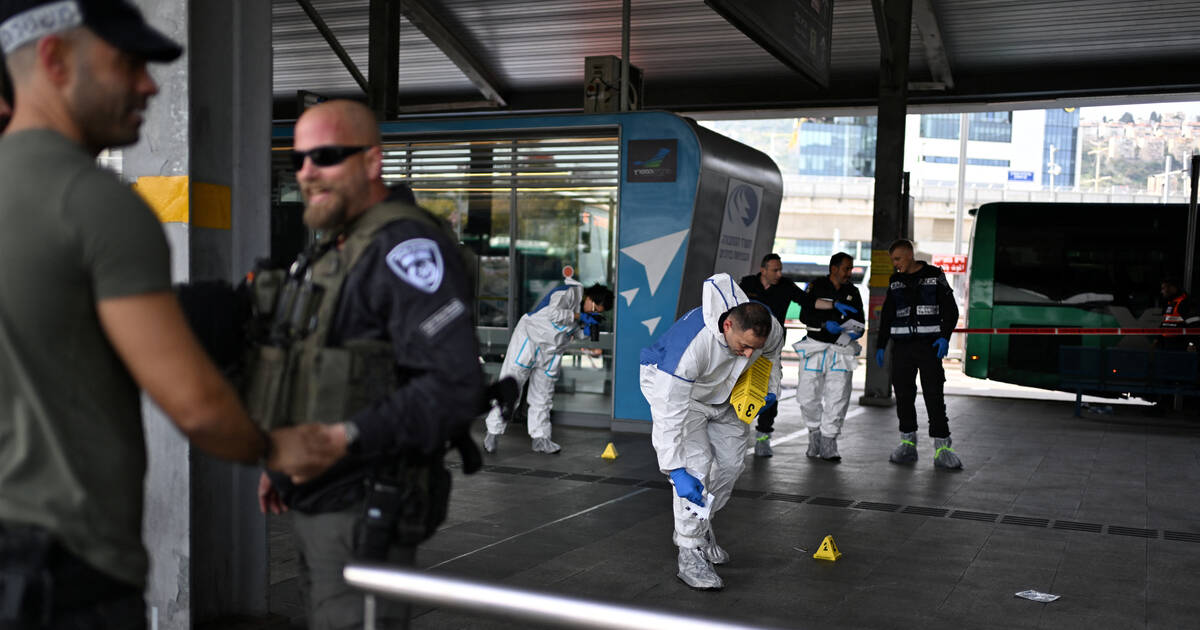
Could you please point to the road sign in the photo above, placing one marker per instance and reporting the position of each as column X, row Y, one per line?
column 1020, row 176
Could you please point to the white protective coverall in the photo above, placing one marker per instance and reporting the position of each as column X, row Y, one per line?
column 535, row 354
column 687, row 377
column 823, row 392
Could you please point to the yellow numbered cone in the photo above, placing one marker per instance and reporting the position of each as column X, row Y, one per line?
column 610, row 452
column 828, row 550
column 750, row 390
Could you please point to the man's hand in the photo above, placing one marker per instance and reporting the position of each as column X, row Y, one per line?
column 268, row 497
column 845, row 309
column 304, row 452
column 833, row 327
column 687, row 486
column 942, row 346
column 879, row 357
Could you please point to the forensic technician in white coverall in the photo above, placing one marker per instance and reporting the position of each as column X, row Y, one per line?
column 535, row 354
column 828, row 356
column 687, row 377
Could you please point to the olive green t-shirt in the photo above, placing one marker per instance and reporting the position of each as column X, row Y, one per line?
column 72, row 453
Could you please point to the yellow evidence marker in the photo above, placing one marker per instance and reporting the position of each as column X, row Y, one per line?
column 750, row 392
column 610, row 452
column 828, row 550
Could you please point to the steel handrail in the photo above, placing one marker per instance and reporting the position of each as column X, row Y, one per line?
column 422, row 587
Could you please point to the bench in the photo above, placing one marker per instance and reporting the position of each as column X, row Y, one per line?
column 1088, row 370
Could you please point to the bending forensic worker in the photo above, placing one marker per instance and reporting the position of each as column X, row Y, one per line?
column 687, row 376
column 535, row 354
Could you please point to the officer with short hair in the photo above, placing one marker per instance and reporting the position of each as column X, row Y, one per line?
column 382, row 348
column 919, row 315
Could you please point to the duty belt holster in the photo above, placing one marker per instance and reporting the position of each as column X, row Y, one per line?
column 405, row 502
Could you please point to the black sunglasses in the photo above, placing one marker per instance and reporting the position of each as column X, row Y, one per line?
column 324, row 156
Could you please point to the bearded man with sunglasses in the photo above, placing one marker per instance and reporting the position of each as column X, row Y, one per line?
column 388, row 358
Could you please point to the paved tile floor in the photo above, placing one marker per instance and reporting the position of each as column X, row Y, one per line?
column 1100, row 510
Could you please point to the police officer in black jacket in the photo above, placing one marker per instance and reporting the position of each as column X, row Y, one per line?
column 394, row 325
column 777, row 293
column 919, row 314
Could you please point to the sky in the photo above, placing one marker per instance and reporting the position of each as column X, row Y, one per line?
column 1191, row 109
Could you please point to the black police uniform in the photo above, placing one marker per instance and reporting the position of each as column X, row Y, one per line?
column 410, row 288
column 823, row 289
column 919, row 308
column 778, row 297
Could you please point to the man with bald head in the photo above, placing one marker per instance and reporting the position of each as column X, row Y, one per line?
column 389, row 359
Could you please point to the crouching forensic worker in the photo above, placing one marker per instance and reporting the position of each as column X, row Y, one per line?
column 687, row 376
column 569, row 311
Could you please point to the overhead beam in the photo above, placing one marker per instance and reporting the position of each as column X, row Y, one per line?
column 333, row 42
column 420, row 16
column 383, row 58
column 881, row 29
column 931, row 38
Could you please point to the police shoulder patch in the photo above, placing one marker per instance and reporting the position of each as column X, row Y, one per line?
column 418, row 261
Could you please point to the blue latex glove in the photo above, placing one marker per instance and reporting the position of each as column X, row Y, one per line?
column 771, row 400
column 687, row 486
column 588, row 320
column 833, row 327
column 942, row 346
column 845, row 309
column 854, row 335
column 879, row 357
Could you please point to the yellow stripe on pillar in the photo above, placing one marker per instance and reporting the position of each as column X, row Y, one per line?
column 212, row 206
column 166, row 195
column 207, row 206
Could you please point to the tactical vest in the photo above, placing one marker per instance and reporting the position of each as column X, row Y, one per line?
column 917, row 311
column 294, row 376
column 1172, row 318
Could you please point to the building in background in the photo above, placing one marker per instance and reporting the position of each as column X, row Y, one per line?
column 1026, row 155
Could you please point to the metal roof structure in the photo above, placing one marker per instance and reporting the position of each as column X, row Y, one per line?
column 529, row 54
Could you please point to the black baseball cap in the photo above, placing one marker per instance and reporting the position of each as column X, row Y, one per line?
column 115, row 21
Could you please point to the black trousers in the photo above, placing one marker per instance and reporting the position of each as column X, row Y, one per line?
column 766, row 419
column 910, row 357
column 43, row 586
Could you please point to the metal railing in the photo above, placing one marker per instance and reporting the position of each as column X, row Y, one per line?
column 420, row 587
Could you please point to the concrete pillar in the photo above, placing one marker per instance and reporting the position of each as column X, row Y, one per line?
column 204, row 163
column 889, row 222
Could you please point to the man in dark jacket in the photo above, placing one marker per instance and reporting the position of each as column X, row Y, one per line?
column 919, row 314
column 777, row 293
column 828, row 355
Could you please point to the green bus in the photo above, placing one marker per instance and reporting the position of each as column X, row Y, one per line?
column 1035, row 265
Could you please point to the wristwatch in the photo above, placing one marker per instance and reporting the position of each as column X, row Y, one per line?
column 351, row 431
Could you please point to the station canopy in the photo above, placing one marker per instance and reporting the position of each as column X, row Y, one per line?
column 528, row 55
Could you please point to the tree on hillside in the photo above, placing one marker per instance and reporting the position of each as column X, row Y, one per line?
column 1126, row 117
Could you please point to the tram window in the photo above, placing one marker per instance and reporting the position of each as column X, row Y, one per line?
column 1084, row 256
